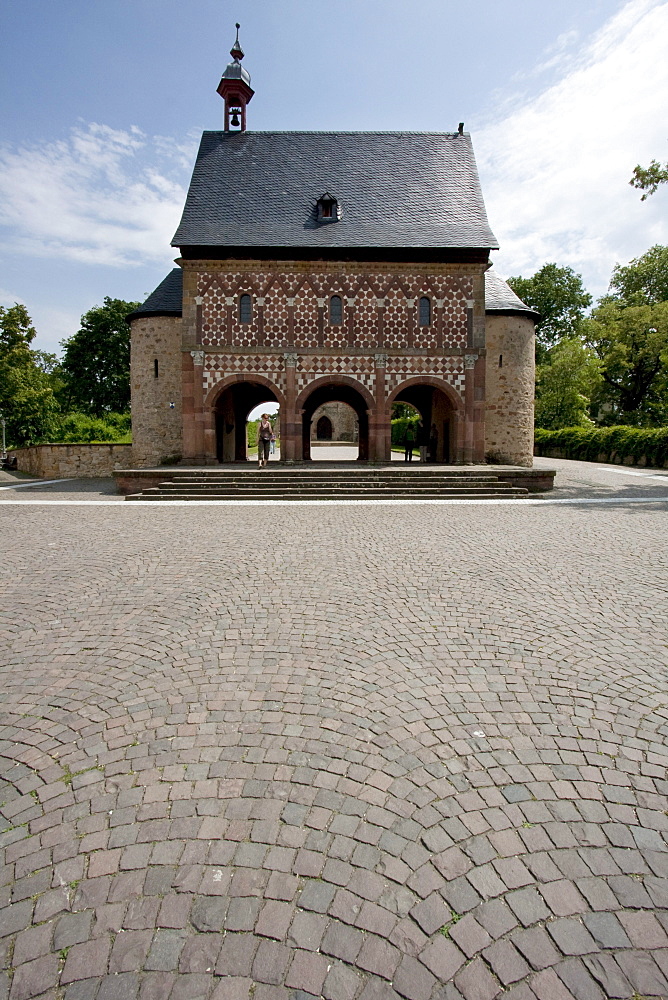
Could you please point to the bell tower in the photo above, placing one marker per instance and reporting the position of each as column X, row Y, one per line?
column 235, row 89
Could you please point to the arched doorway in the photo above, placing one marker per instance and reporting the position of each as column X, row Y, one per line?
column 323, row 431
column 439, row 406
column 336, row 389
column 230, row 410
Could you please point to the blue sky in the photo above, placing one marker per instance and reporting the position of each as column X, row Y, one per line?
column 103, row 103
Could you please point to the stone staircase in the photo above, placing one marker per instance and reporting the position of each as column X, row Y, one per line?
column 300, row 483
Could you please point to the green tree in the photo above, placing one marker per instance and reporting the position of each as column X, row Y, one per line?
column 644, row 281
column 404, row 411
column 27, row 400
column 96, row 360
column 631, row 342
column 647, row 179
column 564, row 385
column 557, row 293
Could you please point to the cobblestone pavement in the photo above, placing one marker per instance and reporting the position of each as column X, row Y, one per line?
column 364, row 753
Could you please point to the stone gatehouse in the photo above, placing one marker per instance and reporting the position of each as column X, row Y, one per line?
column 331, row 267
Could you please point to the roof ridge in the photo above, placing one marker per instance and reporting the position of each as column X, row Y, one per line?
column 247, row 132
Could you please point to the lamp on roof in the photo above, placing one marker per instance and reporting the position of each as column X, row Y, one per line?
column 235, row 89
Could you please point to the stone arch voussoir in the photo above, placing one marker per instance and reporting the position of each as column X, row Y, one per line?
column 240, row 377
column 433, row 380
column 344, row 380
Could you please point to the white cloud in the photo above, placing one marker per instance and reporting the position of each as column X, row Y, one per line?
column 555, row 168
column 96, row 197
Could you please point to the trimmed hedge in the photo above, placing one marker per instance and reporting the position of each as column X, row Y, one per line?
column 399, row 429
column 606, row 444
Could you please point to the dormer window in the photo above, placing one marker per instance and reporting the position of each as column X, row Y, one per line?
column 328, row 208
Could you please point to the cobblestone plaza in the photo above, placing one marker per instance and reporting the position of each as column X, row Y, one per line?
column 355, row 751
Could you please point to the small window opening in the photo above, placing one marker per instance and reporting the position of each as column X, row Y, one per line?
column 245, row 309
column 155, row 368
column 425, row 311
column 500, row 360
column 328, row 208
column 335, row 310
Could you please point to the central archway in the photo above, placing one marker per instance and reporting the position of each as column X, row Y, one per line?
column 232, row 404
column 336, row 389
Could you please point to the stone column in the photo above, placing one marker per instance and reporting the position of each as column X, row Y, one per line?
column 193, row 408
column 469, row 396
column 379, row 426
column 199, row 301
column 291, row 429
column 479, row 412
column 410, row 331
column 350, row 320
column 380, row 306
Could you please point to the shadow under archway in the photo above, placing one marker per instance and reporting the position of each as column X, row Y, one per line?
column 336, row 393
column 231, row 410
column 439, row 419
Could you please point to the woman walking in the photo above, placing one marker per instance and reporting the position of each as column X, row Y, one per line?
column 264, row 434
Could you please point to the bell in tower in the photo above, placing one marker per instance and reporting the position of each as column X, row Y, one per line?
column 235, row 89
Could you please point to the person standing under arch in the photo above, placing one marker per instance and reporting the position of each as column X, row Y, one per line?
column 409, row 442
column 264, row 435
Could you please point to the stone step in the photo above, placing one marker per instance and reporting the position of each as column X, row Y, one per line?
column 302, row 487
column 487, row 494
column 330, row 484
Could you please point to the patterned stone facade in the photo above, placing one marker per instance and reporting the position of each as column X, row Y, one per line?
column 470, row 374
column 297, row 327
column 290, row 309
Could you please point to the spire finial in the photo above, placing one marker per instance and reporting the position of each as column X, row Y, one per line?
column 236, row 51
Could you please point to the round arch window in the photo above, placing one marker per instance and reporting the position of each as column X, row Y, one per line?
column 425, row 311
column 335, row 310
column 245, row 309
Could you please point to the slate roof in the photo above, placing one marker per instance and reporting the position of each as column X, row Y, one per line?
column 166, row 300
column 395, row 189
column 500, row 298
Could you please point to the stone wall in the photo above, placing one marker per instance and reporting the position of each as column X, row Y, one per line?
column 80, row 461
column 342, row 418
column 156, row 424
column 509, row 389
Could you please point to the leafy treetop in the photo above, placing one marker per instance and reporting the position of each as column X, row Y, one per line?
column 96, row 360
column 557, row 293
column 647, row 179
column 644, row 281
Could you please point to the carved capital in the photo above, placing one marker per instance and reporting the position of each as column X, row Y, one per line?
column 290, row 359
column 198, row 357
column 381, row 360
column 229, row 300
column 470, row 360
column 380, row 303
column 259, row 300
column 320, row 303
column 290, row 301
column 350, row 302
column 410, row 303
column 198, row 300
column 470, row 303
